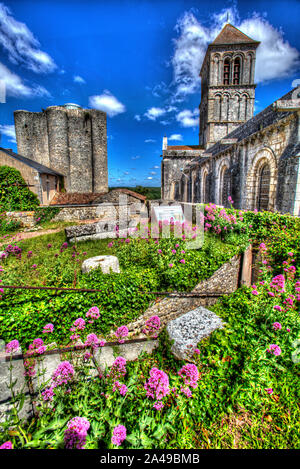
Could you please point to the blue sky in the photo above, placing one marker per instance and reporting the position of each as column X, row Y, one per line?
column 137, row 60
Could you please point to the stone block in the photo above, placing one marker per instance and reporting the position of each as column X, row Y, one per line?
column 190, row 328
column 107, row 264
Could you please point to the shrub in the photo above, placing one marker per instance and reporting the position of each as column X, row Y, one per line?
column 14, row 193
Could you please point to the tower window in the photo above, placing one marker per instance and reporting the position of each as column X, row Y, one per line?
column 236, row 71
column 226, row 73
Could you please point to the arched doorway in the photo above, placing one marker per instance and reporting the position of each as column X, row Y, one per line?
column 263, row 192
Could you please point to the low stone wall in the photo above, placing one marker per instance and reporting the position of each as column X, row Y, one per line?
column 224, row 280
column 25, row 218
column 109, row 212
column 104, row 357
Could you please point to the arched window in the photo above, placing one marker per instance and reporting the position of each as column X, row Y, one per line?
column 263, row 188
column 225, row 187
column 205, row 188
column 226, row 72
column 236, row 71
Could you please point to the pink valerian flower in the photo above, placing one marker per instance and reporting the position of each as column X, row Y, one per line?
column 92, row 341
column 254, row 292
column 122, row 388
column 262, row 247
column 157, row 386
column 182, row 261
column 102, row 343
column 63, row 374
column 93, row 313
column 76, row 432
column 277, row 307
column 170, row 265
column 87, row 356
column 269, row 390
column 158, row 405
column 190, row 375
column 12, row 346
column 197, row 351
column 274, row 349
column 121, row 332
column 48, row 328
column 78, row 324
column 119, row 435
column 48, row 394
column 118, row 368
column 277, row 326
column 186, row 391
column 7, row 445
column 230, row 200
column 152, row 326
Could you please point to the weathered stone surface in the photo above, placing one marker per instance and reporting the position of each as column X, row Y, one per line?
column 107, row 264
column 105, row 356
column 190, row 328
column 224, row 280
column 98, row 230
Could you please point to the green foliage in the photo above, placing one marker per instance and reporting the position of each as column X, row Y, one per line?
column 44, row 214
column 14, row 193
column 151, row 193
column 7, row 226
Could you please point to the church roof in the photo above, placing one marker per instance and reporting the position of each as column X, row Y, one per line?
column 231, row 35
column 40, row 168
column 262, row 120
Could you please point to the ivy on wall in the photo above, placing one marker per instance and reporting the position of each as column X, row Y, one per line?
column 14, row 192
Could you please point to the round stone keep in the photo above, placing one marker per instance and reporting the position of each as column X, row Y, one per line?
column 107, row 264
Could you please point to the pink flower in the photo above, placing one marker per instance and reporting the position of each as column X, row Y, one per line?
column 92, row 340
column 75, row 435
column 170, row 265
column 158, row 405
column 190, row 375
column 157, row 386
column 118, row 368
column 254, row 292
column 119, row 435
column 7, row 445
column 63, row 374
column 277, row 326
column 277, row 307
column 48, row 328
column 48, row 394
column 269, row 390
column 274, row 349
column 79, row 324
column 12, row 346
column 182, row 261
column 121, row 332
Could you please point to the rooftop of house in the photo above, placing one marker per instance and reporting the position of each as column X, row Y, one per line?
column 33, row 164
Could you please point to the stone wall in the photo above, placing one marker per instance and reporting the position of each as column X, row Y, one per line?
column 224, row 280
column 25, row 218
column 72, row 141
column 104, row 357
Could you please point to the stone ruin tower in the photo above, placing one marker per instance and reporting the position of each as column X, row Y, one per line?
column 227, row 85
column 68, row 139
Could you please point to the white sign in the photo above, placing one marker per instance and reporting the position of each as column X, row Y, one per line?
column 171, row 212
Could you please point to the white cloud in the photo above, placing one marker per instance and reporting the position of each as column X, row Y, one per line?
column 135, row 157
column 154, row 112
column 153, row 173
column 150, row 140
column 137, row 117
column 149, row 177
column 188, row 118
column 16, row 87
column 276, row 58
column 21, row 45
column 9, row 131
column 108, row 103
column 79, row 79
column 177, row 137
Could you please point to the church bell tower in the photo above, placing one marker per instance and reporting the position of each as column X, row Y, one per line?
column 227, row 85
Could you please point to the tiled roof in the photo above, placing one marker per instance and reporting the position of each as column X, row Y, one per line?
column 33, row 164
column 75, row 198
column 231, row 35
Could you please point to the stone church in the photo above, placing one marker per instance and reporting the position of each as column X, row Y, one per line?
column 253, row 159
